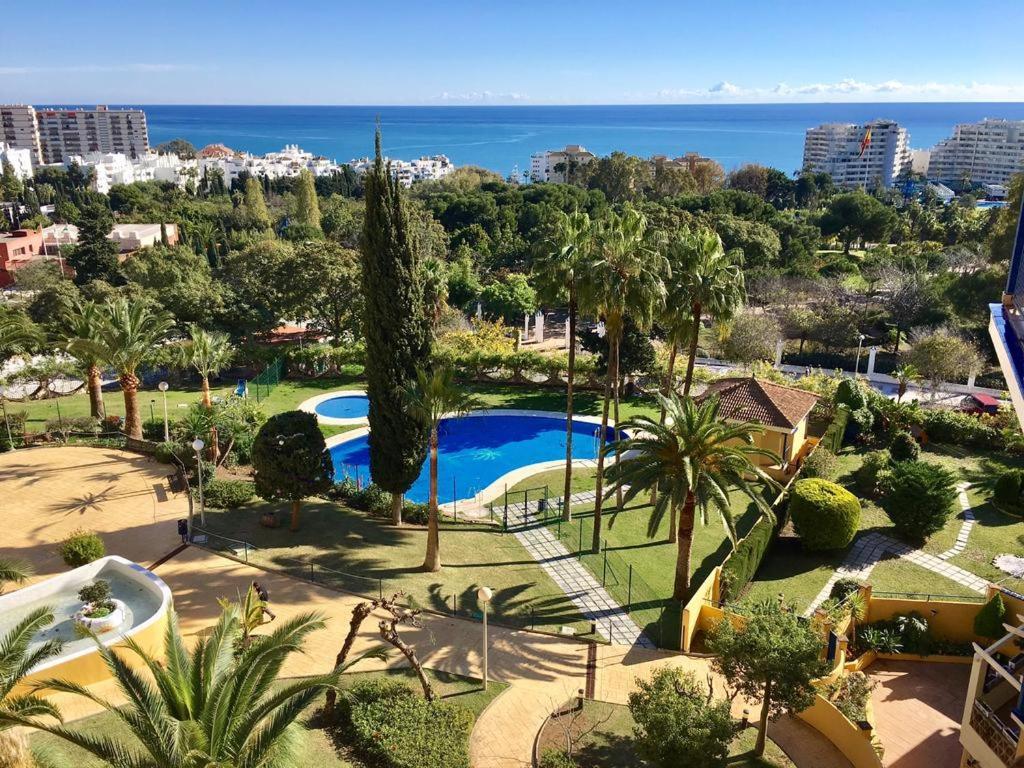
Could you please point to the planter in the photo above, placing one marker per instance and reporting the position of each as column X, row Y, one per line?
column 103, row 624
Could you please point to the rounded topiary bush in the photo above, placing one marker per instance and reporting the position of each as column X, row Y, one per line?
column 904, row 447
column 1008, row 486
column 825, row 515
column 850, row 394
column 81, row 547
column 868, row 475
column 821, row 463
column 919, row 499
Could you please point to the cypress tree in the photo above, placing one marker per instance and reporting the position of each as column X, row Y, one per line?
column 397, row 335
column 256, row 205
column 307, row 209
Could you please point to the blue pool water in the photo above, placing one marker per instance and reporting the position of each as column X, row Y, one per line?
column 345, row 407
column 475, row 451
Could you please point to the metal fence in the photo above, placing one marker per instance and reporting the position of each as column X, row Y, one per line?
column 928, row 597
column 267, row 379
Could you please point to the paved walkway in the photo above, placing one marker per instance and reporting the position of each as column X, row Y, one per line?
column 587, row 594
column 868, row 549
column 918, row 706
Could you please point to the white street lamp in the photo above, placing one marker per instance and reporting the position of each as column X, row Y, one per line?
column 860, row 342
column 484, row 595
column 197, row 446
column 163, row 386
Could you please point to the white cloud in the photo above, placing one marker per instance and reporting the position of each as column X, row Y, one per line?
column 848, row 89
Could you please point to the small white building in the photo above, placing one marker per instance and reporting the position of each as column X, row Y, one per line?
column 556, row 164
column 426, row 168
column 19, row 159
column 129, row 237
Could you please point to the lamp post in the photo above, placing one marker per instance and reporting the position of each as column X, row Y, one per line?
column 197, row 446
column 162, row 386
column 484, row 595
column 860, row 342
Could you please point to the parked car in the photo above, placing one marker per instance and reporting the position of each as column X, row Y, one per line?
column 979, row 404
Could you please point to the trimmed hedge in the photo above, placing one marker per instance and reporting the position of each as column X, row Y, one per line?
column 741, row 565
column 958, row 428
column 821, row 463
column 989, row 621
column 850, row 394
column 1008, row 486
column 228, row 494
column 833, row 437
column 825, row 515
column 904, row 447
column 81, row 547
column 393, row 727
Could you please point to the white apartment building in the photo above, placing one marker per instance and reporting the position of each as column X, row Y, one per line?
column 424, row 168
column 128, row 237
column 288, row 162
column 858, row 156
column 112, row 168
column 66, row 132
column 18, row 129
column 19, row 159
column 553, row 164
column 987, row 152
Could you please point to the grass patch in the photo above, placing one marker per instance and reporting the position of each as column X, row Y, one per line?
column 611, row 743
column 353, row 551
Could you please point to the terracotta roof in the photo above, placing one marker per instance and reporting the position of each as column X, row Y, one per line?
column 750, row 399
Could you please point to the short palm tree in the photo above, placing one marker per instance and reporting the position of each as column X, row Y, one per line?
column 697, row 459
column 432, row 397
column 13, row 571
column 206, row 707
column 17, row 335
column 16, row 661
column 81, row 323
column 127, row 337
column 710, row 282
column 209, row 352
column 557, row 269
column 624, row 276
column 906, row 375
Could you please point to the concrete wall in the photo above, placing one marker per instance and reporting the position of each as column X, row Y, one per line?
column 948, row 620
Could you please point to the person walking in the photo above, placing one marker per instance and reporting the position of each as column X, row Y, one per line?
column 264, row 596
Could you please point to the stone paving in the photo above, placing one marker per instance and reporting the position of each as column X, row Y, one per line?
column 579, row 584
column 868, row 549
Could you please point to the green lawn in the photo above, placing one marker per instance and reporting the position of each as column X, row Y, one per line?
column 316, row 747
column 610, row 744
column 355, row 552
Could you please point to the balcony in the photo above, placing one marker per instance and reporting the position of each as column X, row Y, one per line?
column 996, row 734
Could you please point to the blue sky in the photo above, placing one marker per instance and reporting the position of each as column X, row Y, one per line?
column 520, row 52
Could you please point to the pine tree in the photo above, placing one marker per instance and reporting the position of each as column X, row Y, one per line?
column 95, row 256
column 397, row 335
column 307, row 209
column 256, row 205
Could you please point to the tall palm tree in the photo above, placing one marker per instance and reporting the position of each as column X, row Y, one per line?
column 127, row 337
column 13, row 571
column 710, row 283
column 16, row 661
column 209, row 352
column 557, row 268
column 906, row 375
column 81, row 324
column 624, row 276
column 698, row 460
column 211, row 706
column 433, row 396
column 18, row 335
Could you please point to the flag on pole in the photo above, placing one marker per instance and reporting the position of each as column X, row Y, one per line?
column 865, row 142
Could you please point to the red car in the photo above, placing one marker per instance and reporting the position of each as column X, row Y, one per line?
column 979, row 404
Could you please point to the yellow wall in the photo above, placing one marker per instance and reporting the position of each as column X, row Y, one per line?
column 704, row 595
column 847, row 737
column 950, row 620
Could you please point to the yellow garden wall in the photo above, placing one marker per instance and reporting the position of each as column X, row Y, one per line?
column 846, row 736
column 946, row 619
column 705, row 595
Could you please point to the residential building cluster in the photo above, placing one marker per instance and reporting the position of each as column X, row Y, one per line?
column 432, row 168
column 985, row 153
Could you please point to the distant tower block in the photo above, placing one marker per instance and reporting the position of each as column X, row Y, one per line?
column 872, row 351
column 538, row 327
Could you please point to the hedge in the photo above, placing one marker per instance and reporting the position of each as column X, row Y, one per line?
column 81, row 547
column 1008, row 486
column 989, row 621
column 957, row 428
column 228, row 494
column 833, row 437
column 741, row 565
column 825, row 515
column 904, row 447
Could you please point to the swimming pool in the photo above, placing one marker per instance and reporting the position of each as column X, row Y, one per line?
column 343, row 407
column 480, row 450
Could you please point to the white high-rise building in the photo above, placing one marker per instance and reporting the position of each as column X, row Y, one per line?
column 66, row 132
column 19, row 159
column 987, row 152
column 859, row 156
column 18, row 129
column 557, row 164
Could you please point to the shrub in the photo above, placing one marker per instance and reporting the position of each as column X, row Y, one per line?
column 343, row 491
column 395, row 728
column 861, row 422
column 919, row 499
column 165, row 453
column 98, row 597
column 153, row 429
column 850, row 694
column 415, row 514
column 77, row 424
column 372, row 499
column 676, row 724
column 989, row 621
column 1008, row 487
column 743, row 562
column 228, row 494
column 16, row 422
column 957, row 428
column 849, row 393
column 904, row 447
column 843, row 588
column 825, row 515
column 81, row 547
column 822, row 464
column 556, row 758
column 867, row 476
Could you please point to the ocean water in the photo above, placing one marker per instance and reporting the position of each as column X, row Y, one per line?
column 474, row 451
column 503, row 138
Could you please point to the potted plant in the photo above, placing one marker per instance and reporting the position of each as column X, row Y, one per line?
column 100, row 612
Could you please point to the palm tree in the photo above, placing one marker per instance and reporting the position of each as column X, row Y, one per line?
column 16, row 661
column 906, row 375
column 557, row 268
column 211, row 706
column 127, row 337
column 209, row 352
column 14, row 571
column 710, row 283
column 624, row 275
column 432, row 397
column 81, row 323
column 698, row 460
column 18, row 335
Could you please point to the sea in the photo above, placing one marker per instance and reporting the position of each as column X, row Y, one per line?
column 502, row 139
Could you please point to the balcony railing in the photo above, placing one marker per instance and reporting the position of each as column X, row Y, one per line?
column 994, row 732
